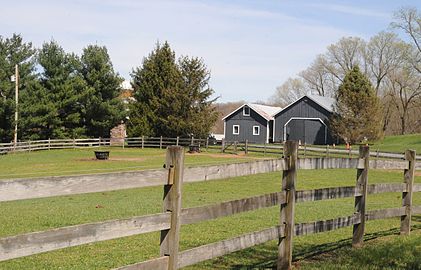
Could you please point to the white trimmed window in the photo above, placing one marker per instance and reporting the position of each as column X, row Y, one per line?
column 236, row 129
column 256, row 130
column 246, row 111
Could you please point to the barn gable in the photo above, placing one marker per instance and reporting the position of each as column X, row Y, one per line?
column 305, row 120
column 250, row 122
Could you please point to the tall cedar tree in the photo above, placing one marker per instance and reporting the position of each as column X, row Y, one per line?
column 202, row 114
column 357, row 112
column 160, row 108
column 102, row 109
column 52, row 107
column 13, row 51
column 171, row 98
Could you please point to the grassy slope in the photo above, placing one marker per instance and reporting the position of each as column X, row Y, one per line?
column 399, row 143
column 40, row 214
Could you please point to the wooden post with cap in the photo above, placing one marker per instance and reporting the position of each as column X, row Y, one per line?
column 360, row 199
column 408, row 179
column 289, row 177
column 169, row 244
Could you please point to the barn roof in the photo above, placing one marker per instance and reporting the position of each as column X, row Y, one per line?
column 265, row 111
column 325, row 102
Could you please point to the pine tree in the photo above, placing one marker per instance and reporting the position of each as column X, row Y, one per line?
column 202, row 114
column 13, row 51
column 103, row 110
column 159, row 109
column 172, row 97
column 53, row 107
column 357, row 112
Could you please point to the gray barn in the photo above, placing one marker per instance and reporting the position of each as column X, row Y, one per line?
column 252, row 122
column 305, row 120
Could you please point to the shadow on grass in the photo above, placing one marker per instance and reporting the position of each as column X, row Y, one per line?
column 398, row 253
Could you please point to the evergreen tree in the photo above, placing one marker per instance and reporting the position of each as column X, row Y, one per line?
column 103, row 110
column 159, row 109
column 53, row 107
column 13, row 51
column 202, row 115
column 357, row 110
column 172, row 97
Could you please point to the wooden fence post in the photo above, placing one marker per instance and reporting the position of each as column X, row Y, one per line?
column 223, row 145
column 289, row 177
column 192, row 140
column 246, row 147
column 207, row 143
column 360, row 200
column 408, row 179
column 143, row 142
column 29, row 145
column 264, row 150
column 74, row 143
column 305, row 150
column 327, row 150
column 49, row 143
column 160, row 142
column 178, row 140
column 169, row 243
column 235, row 146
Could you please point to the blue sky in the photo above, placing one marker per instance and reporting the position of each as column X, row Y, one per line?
column 250, row 46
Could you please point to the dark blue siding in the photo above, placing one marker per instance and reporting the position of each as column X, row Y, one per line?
column 310, row 131
column 246, row 124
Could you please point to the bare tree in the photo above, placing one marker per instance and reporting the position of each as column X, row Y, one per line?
column 291, row 90
column 409, row 20
column 344, row 55
column 405, row 92
column 318, row 78
column 384, row 53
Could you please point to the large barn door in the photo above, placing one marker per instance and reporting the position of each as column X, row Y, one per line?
column 314, row 132
column 309, row 131
column 295, row 130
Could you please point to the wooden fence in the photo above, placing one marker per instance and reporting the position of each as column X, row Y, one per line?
column 174, row 216
column 304, row 150
column 141, row 142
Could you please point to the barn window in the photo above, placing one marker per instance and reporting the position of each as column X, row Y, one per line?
column 236, row 129
column 256, row 130
column 246, row 111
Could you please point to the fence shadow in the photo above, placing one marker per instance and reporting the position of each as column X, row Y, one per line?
column 266, row 255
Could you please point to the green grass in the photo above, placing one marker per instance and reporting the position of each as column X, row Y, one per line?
column 41, row 214
column 82, row 161
column 399, row 143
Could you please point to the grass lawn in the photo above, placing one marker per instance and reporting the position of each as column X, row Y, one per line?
column 41, row 214
column 399, row 143
column 82, row 161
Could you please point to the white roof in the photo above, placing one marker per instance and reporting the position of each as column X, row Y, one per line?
column 325, row 102
column 265, row 111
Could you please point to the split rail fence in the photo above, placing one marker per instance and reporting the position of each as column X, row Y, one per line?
column 304, row 150
column 140, row 142
column 173, row 216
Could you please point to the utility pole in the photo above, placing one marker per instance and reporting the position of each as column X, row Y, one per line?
column 15, row 141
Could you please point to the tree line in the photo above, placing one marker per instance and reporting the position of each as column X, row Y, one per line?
column 391, row 64
column 64, row 95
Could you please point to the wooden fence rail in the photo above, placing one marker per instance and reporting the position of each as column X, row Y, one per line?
column 305, row 150
column 141, row 142
column 174, row 216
